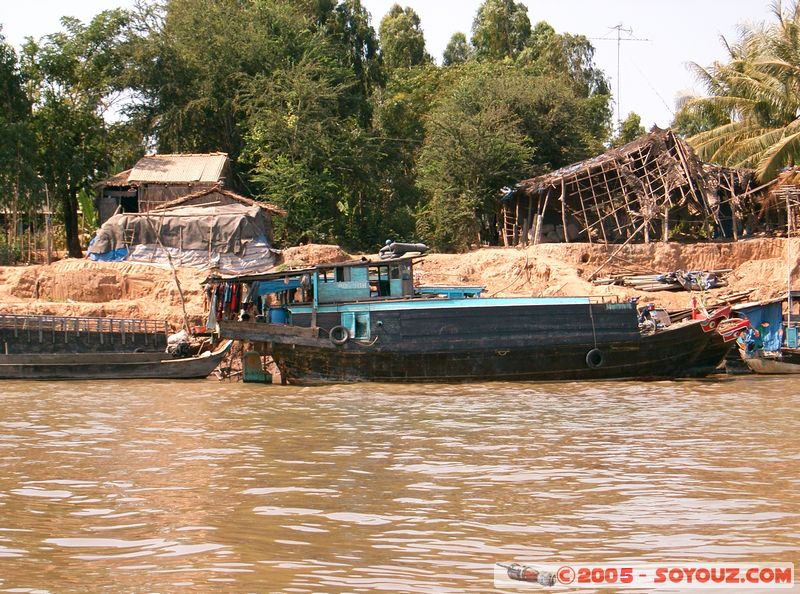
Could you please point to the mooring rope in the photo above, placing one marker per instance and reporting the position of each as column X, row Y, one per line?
column 591, row 317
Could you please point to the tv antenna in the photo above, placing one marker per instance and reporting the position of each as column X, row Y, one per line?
column 620, row 29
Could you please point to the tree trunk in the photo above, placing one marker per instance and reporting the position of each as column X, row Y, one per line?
column 14, row 206
column 71, row 223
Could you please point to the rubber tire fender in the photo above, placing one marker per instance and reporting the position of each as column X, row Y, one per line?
column 595, row 359
column 339, row 335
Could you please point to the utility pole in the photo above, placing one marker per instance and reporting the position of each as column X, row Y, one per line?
column 620, row 29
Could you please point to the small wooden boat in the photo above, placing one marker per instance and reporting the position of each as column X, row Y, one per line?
column 90, row 366
column 783, row 362
column 782, row 358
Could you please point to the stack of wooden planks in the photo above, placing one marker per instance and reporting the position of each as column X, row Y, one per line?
column 669, row 281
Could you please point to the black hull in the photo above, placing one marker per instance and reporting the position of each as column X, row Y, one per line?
column 310, row 365
column 543, row 343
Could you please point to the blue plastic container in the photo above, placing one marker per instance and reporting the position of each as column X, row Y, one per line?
column 278, row 315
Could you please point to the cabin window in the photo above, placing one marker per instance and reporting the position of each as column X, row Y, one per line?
column 379, row 282
column 342, row 274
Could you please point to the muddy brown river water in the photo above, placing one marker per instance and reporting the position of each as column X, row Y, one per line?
column 224, row 487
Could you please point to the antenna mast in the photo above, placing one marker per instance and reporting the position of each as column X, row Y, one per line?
column 620, row 29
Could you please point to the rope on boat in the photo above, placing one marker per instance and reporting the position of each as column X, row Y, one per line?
column 595, row 357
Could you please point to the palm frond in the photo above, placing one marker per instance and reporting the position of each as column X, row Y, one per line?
column 778, row 156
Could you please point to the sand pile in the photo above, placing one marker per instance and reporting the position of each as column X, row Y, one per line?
column 565, row 269
column 100, row 289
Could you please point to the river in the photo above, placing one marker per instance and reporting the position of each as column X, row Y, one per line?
column 227, row 487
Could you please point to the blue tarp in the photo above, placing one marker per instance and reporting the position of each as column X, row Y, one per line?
column 267, row 287
column 113, row 256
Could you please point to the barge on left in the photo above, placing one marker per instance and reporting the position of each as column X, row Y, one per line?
column 48, row 348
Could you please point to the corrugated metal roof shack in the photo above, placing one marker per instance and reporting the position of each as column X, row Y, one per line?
column 157, row 179
column 654, row 188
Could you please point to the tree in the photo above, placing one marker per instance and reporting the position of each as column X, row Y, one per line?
column 191, row 57
column 500, row 30
column 457, row 51
column 402, row 40
column 361, row 50
column 565, row 54
column 74, row 75
column 630, row 129
column 18, row 178
column 285, row 87
column 307, row 150
column 401, row 111
column 692, row 117
column 494, row 123
column 473, row 146
column 758, row 91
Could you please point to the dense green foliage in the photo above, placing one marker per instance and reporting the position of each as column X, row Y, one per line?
column 751, row 117
column 630, row 129
column 360, row 136
column 18, row 177
column 501, row 30
column 457, row 51
column 402, row 40
column 74, row 77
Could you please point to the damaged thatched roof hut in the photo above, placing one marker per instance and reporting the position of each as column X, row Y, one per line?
column 782, row 198
column 652, row 188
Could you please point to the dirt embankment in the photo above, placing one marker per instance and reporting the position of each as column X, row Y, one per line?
column 565, row 269
column 97, row 289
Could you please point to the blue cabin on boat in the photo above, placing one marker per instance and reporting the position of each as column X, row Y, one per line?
column 276, row 296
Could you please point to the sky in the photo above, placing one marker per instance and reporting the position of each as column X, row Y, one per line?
column 651, row 75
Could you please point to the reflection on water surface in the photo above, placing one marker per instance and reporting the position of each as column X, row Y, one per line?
column 204, row 486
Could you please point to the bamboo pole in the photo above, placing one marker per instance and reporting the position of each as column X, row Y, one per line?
column 734, row 203
column 174, row 273
column 529, row 219
column 564, row 209
column 540, row 218
column 599, row 213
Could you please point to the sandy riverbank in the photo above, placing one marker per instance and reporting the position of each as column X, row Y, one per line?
column 84, row 288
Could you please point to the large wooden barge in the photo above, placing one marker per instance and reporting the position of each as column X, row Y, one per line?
column 365, row 321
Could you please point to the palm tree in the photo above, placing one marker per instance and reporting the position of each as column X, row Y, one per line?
column 758, row 91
